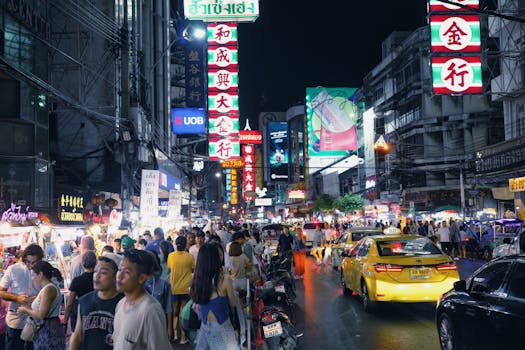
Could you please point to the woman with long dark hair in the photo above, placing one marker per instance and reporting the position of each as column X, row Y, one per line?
column 45, row 309
column 212, row 293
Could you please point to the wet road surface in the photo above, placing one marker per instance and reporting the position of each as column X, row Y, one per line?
column 330, row 320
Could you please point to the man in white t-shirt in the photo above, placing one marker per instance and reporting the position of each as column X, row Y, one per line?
column 140, row 322
column 199, row 241
column 17, row 287
column 444, row 237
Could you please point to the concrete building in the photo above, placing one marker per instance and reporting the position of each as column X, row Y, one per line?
column 432, row 138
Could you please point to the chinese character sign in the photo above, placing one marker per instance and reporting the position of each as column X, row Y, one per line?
column 223, row 104
column 460, row 75
column 195, row 76
column 248, row 153
column 332, row 121
column 439, row 6
column 222, row 11
column 455, row 33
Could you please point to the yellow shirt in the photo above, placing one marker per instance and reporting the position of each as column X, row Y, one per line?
column 181, row 266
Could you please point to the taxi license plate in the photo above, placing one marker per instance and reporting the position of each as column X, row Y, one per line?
column 280, row 289
column 273, row 330
column 419, row 273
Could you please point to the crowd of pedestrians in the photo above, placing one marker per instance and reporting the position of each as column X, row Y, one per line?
column 137, row 293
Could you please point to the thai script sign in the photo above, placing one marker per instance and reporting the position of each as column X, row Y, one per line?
column 436, row 5
column 455, row 33
column 18, row 213
column 517, row 184
column 457, row 75
column 222, row 10
column 70, row 208
column 149, row 194
column 252, row 137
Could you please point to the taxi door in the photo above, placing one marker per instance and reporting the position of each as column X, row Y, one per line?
column 349, row 266
column 360, row 266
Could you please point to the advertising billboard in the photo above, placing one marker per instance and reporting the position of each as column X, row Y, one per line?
column 332, row 121
column 188, row 120
column 278, row 151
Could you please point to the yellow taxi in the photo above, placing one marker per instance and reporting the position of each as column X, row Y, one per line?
column 398, row 268
column 348, row 240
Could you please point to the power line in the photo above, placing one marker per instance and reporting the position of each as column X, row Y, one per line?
column 484, row 12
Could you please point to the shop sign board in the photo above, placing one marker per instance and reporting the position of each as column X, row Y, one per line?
column 263, row 202
column 517, row 184
column 222, row 33
column 252, row 137
column 436, row 5
column 70, row 208
column 221, row 102
column 188, row 120
column 195, row 74
column 296, row 194
column 236, row 163
column 226, row 124
column 149, row 194
column 222, row 11
column 18, row 214
column 457, row 75
column 332, row 118
column 223, row 56
column 455, row 33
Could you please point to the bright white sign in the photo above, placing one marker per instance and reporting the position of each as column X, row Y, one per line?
column 149, row 194
column 263, row 202
column 222, row 11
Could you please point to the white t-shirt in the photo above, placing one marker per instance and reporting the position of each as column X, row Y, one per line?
column 444, row 234
column 141, row 326
column 17, row 280
column 194, row 250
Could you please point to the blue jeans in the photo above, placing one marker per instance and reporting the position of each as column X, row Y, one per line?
column 13, row 341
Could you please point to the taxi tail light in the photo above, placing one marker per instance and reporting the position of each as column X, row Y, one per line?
column 448, row 266
column 388, row 268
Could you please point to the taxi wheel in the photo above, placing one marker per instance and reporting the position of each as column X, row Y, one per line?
column 346, row 291
column 447, row 333
column 368, row 305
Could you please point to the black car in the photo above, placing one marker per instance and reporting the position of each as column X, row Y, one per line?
column 487, row 311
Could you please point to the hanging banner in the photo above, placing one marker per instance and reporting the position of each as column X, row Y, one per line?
column 149, row 194
column 248, row 154
column 455, row 33
column 457, row 75
column 195, row 77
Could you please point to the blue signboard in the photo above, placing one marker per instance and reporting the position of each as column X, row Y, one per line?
column 188, row 120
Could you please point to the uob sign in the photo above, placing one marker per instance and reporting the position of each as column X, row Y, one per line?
column 188, row 120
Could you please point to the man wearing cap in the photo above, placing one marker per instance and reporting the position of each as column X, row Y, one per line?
column 127, row 243
column 87, row 243
column 199, row 241
column 181, row 265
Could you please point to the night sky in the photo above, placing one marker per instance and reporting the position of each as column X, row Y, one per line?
column 296, row 44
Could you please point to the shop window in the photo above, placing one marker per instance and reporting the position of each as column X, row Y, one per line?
column 9, row 99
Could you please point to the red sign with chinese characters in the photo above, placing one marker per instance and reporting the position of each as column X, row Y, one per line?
column 248, row 153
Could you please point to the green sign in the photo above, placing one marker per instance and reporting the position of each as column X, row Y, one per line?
column 222, row 11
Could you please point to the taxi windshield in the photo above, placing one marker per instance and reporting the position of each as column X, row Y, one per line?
column 356, row 236
column 407, row 247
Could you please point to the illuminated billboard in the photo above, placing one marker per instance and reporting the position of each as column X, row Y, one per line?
column 278, row 151
column 332, row 121
column 188, row 120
